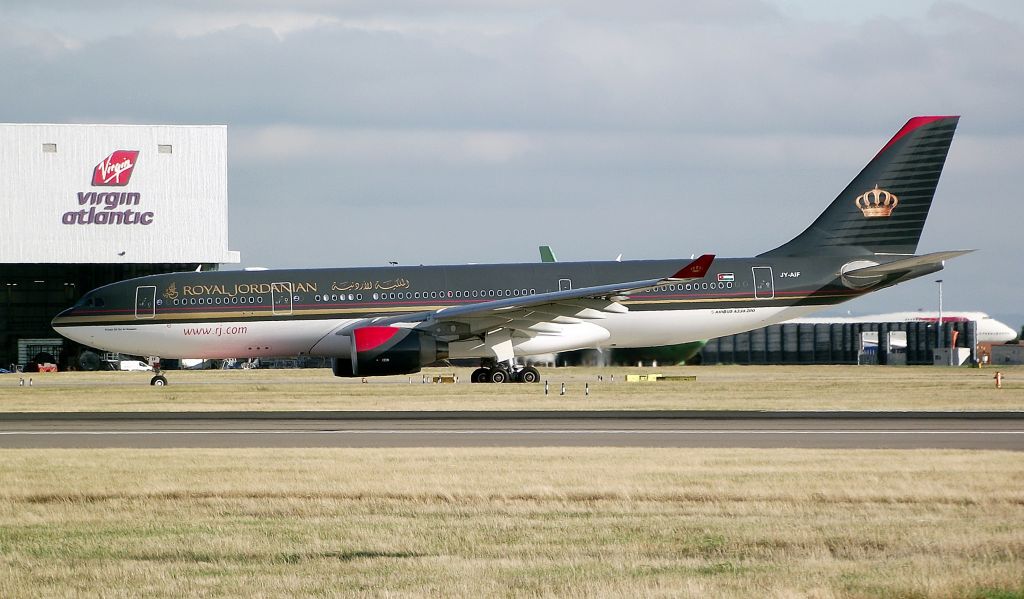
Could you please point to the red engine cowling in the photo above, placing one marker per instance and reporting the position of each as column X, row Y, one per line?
column 379, row 351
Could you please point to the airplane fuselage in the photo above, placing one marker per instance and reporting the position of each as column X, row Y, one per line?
column 237, row 314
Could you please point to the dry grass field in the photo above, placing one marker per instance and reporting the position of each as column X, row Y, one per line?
column 511, row 522
column 716, row 387
column 565, row 522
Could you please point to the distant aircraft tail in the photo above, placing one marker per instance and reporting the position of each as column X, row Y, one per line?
column 882, row 211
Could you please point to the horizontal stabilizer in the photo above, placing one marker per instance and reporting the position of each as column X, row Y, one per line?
column 907, row 264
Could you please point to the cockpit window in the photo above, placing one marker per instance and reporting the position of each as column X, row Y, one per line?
column 90, row 301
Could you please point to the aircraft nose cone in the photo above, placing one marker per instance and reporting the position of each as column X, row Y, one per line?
column 60, row 324
column 61, row 318
column 65, row 312
column 1010, row 333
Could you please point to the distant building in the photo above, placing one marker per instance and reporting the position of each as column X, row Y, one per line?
column 795, row 342
column 1005, row 355
column 86, row 205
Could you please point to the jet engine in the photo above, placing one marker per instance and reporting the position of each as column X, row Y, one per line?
column 379, row 351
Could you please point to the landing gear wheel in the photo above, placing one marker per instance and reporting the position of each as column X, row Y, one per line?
column 499, row 376
column 480, row 375
column 158, row 381
column 529, row 375
column 89, row 361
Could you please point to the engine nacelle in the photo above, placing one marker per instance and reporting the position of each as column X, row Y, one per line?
column 379, row 351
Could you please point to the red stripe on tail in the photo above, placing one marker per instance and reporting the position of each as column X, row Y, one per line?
column 914, row 123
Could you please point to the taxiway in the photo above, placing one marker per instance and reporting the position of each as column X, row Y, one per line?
column 833, row 430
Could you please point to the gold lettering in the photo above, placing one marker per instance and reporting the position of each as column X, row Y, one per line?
column 262, row 288
column 369, row 285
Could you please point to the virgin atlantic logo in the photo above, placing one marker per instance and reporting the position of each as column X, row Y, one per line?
column 115, row 170
column 110, row 207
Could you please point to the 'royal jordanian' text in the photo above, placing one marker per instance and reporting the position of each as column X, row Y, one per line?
column 250, row 288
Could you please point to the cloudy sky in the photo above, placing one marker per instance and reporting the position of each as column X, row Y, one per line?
column 452, row 131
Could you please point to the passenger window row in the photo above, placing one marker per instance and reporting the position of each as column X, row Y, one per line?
column 690, row 287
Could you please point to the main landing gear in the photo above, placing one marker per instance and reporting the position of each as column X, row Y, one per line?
column 504, row 372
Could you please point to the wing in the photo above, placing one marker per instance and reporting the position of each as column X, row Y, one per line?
column 493, row 323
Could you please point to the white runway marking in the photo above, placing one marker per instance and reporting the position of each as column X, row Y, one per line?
column 522, row 432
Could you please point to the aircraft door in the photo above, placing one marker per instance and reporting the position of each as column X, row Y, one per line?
column 145, row 302
column 564, row 284
column 281, row 298
column 764, row 285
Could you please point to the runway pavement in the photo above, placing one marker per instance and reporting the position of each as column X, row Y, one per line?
column 837, row 430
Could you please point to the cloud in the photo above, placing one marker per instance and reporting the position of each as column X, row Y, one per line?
column 686, row 73
column 486, row 127
column 285, row 144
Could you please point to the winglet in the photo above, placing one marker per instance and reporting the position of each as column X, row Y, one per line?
column 696, row 269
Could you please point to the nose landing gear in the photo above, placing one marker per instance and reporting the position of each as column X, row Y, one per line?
column 158, row 380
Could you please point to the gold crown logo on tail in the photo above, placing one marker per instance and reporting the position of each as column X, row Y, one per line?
column 877, row 203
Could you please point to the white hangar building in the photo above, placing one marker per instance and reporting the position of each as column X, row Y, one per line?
column 86, row 205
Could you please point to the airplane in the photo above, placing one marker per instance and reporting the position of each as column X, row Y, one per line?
column 396, row 319
column 989, row 329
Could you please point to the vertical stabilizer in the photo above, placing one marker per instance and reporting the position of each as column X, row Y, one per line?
column 882, row 211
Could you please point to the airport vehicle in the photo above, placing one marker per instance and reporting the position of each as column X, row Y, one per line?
column 132, row 366
column 396, row 319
